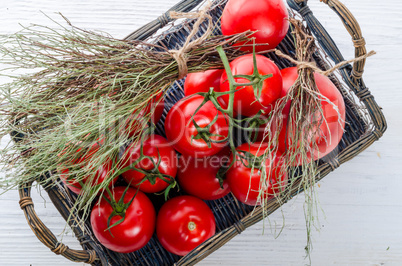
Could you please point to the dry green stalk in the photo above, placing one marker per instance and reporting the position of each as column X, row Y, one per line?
column 303, row 125
column 84, row 88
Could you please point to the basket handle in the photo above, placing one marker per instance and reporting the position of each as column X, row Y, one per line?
column 44, row 234
column 153, row 26
column 325, row 40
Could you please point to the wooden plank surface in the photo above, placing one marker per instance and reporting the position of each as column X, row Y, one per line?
column 362, row 199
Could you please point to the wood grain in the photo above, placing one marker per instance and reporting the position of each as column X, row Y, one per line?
column 361, row 199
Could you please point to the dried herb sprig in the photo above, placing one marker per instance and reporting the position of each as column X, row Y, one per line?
column 305, row 118
column 85, row 87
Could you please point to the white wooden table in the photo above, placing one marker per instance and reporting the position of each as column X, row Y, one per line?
column 362, row 199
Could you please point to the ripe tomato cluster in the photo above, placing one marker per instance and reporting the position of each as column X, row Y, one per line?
column 199, row 153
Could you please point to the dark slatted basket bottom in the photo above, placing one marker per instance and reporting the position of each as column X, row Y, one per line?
column 364, row 124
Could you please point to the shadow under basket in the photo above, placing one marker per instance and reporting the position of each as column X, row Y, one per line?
column 365, row 124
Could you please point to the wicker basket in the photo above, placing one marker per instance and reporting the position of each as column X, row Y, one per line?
column 365, row 124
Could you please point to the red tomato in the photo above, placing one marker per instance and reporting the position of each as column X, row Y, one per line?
column 268, row 17
column 246, row 183
column 182, row 133
column 183, row 223
column 202, row 81
column 136, row 123
column 136, row 229
column 197, row 176
column 245, row 102
column 161, row 152
column 331, row 130
column 101, row 174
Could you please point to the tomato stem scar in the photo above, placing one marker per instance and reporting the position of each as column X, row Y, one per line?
column 191, row 226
